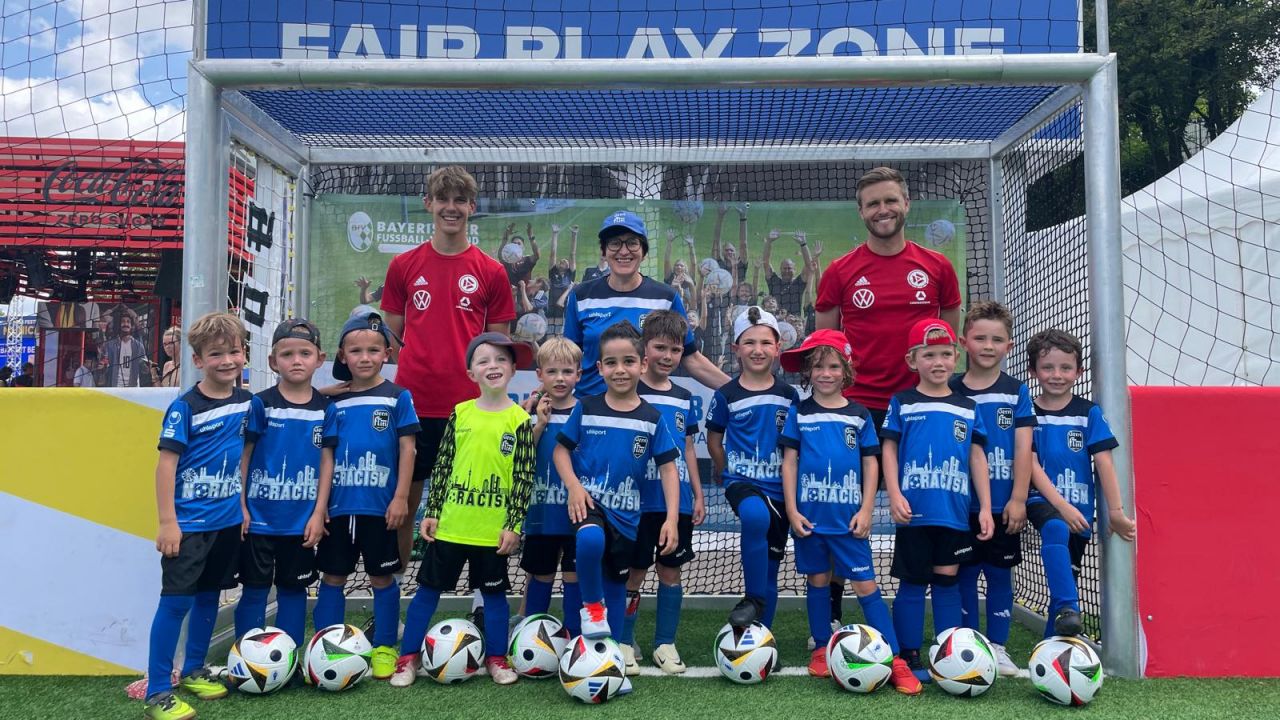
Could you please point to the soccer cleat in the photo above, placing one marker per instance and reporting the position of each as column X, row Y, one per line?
column 630, row 666
column 748, row 610
column 595, row 624
column 167, row 706
column 912, row 658
column 203, row 685
column 383, row 662
column 667, row 658
column 407, row 669
column 500, row 670
column 903, row 679
column 1068, row 622
column 1004, row 663
column 818, row 663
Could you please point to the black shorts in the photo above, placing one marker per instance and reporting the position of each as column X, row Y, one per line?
column 543, row 554
column 276, row 559
column 1040, row 513
column 205, row 561
column 1002, row 550
column 442, row 566
column 778, row 525
column 917, row 550
column 427, row 445
column 352, row 537
column 618, row 548
column 647, row 541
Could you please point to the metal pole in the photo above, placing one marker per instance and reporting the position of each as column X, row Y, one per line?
column 302, row 246
column 1120, row 648
column 1102, row 25
column 204, row 233
column 995, row 205
column 199, row 29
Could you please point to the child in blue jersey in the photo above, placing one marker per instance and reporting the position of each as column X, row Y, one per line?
column 1072, row 446
column 1005, row 406
column 615, row 435
column 829, row 478
column 932, row 442
column 198, row 499
column 366, row 466
column 281, row 467
column 743, row 426
column 663, row 338
column 548, row 535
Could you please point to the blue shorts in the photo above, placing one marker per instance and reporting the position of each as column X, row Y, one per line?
column 846, row 555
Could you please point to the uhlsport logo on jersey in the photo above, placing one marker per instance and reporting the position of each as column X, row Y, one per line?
column 780, row 419
column 960, row 429
column 508, row 444
column 850, row 437
column 1075, row 440
column 317, row 436
column 639, row 447
column 680, row 423
column 1004, row 417
column 360, row 231
column 381, row 419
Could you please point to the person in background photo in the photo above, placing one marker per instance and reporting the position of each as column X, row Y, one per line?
column 83, row 376
column 171, row 344
column 127, row 362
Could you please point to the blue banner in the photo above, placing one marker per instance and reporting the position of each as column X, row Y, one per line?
column 542, row 29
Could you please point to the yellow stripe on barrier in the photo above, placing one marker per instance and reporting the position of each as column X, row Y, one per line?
column 21, row 654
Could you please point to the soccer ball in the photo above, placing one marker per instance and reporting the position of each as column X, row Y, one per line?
column 689, row 211
column 939, row 232
column 591, row 670
column 453, row 651
column 962, row 662
column 1066, row 670
column 338, row 657
column 718, row 282
column 860, row 658
column 530, row 327
column 787, row 333
column 708, row 266
column 745, row 655
column 512, row 253
column 536, row 645
column 262, row 661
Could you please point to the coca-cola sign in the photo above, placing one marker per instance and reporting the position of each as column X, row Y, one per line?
column 138, row 183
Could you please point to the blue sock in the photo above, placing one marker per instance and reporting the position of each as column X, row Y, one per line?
column 670, row 598
column 166, row 627
column 969, row 595
column 908, row 615
column 946, row 606
column 615, row 602
column 1057, row 570
column 877, row 613
column 590, row 564
column 291, row 613
column 251, row 611
column 204, row 613
column 999, row 603
column 632, row 609
column 497, row 617
column 771, row 600
column 817, row 601
column 572, row 604
column 386, row 614
column 755, row 546
column 417, row 619
column 538, row 599
column 331, row 606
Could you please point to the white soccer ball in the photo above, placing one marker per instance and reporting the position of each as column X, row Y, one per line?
column 512, row 253
column 1066, row 670
column 689, row 211
column 962, row 662
column 708, row 265
column 530, row 327
column 745, row 655
column 939, row 232
column 591, row 669
column 718, row 282
column 787, row 335
column 860, row 658
column 262, row 661
column 337, row 657
column 453, row 651
column 536, row 645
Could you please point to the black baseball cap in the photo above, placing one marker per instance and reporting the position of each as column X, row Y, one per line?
column 522, row 352
column 300, row 328
column 362, row 320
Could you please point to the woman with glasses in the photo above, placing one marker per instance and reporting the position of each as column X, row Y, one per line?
column 625, row 294
column 171, row 343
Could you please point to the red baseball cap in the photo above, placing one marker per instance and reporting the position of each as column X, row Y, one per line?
column 919, row 335
column 793, row 360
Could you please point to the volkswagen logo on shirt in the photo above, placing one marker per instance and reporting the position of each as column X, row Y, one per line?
column 381, row 419
column 960, row 429
column 639, row 447
column 1004, row 417
column 1075, row 440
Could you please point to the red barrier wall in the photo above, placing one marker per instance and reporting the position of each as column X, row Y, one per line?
column 1207, row 472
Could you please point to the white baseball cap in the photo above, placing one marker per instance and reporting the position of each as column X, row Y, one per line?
column 744, row 322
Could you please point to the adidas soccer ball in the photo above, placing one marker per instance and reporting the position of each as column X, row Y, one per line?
column 591, row 670
column 786, row 335
column 262, row 661
column 745, row 655
column 718, row 282
column 689, row 211
column 1066, row 670
column 939, row 232
column 962, row 662
column 860, row 658
column 338, row 657
column 530, row 327
column 536, row 645
column 512, row 253
column 453, row 651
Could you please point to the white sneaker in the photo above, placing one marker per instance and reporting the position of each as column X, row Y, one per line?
column 630, row 666
column 1004, row 663
column 408, row 667
column 594, row 625
column 667, row 658
column 500, row 670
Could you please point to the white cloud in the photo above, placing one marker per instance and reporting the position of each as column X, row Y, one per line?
column 43, row 107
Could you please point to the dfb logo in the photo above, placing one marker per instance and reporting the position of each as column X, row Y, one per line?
column 1004, row 417
column 381, row 419
column 850, row 437
column 640, row 446
column 960, row 429
column 468, row 284
column 317, row 436
column 1075, row 440
column 917, row 278
column 508, row 445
